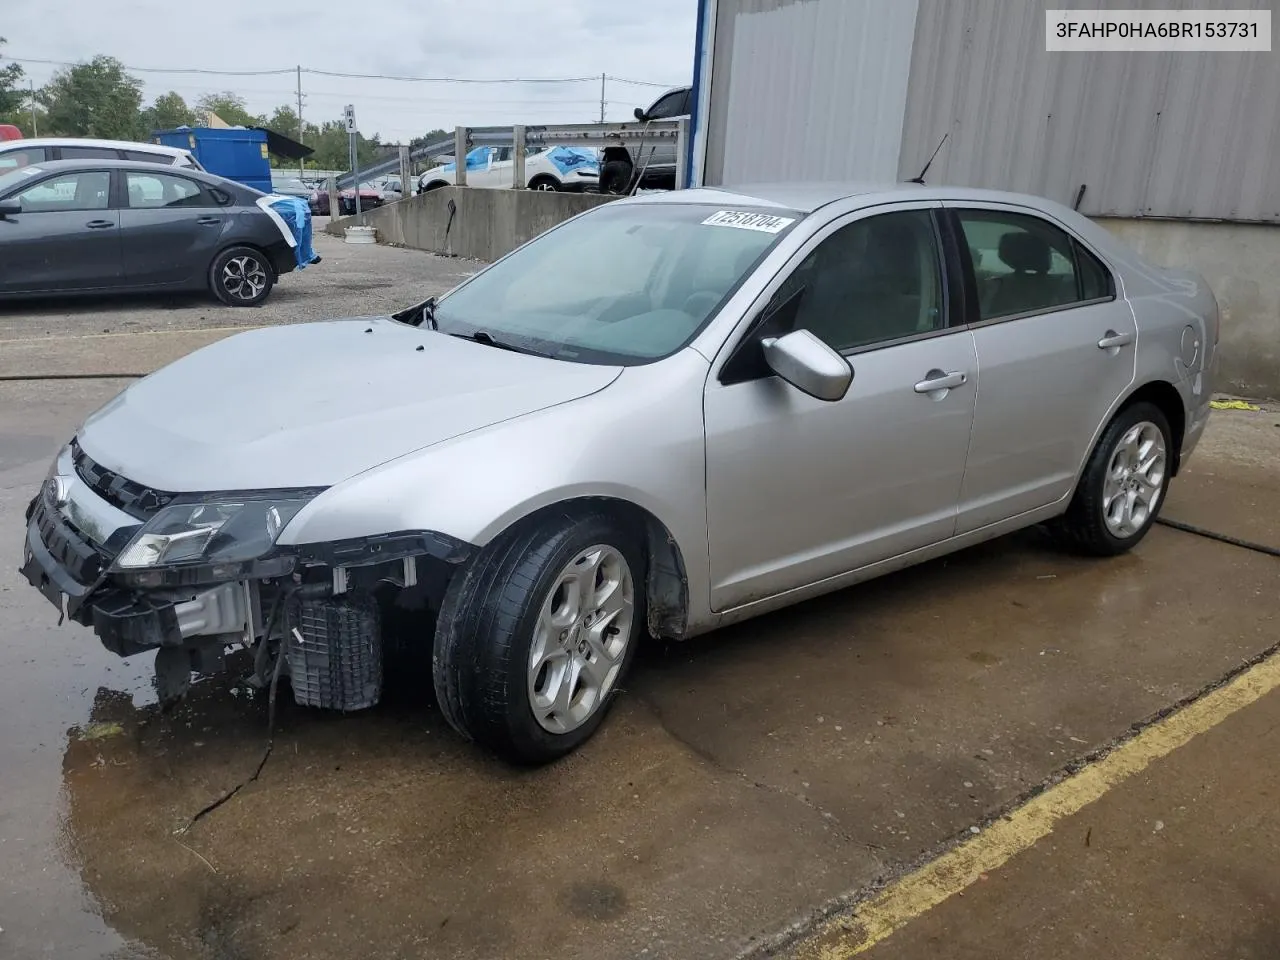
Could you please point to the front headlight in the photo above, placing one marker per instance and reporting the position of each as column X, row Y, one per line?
column 217, row 531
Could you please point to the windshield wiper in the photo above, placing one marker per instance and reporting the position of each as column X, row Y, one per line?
column 482, row 336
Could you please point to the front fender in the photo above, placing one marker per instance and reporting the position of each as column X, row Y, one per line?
column 639, row 440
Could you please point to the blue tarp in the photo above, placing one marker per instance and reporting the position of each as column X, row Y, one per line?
column 295, row 212
column 571, row 158
column 563, row 159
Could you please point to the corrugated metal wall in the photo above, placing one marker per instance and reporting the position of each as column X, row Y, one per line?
column 808, row 89
column 1185, row 135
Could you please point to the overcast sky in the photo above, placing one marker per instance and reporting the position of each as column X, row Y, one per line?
column 649, row 40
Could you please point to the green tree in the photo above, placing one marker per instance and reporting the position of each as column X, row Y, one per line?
column 168, row 111
column 231, row 108
column 94, row 99
column 330, row 143
column 12, row 98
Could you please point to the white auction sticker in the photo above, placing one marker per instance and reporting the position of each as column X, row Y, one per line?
column 760, row 222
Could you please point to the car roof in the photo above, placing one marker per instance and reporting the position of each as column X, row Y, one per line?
column 90, row 142
column 808, row 197
column 53, row 166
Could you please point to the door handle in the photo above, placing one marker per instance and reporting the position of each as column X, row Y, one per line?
column 1112, row 340
column 208, row 221
column 100, row 224
column 936, row 380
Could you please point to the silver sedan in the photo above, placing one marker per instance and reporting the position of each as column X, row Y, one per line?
column 668, row 414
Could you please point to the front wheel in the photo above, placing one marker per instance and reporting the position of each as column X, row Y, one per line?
column 545, row 184
column 241, row 277
column 535, row 635
column 1123, row 484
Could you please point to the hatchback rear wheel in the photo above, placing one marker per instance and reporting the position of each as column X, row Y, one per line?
column 241, row 277
column 1123, row 485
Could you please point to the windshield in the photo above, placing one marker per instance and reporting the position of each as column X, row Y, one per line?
column 626, row 284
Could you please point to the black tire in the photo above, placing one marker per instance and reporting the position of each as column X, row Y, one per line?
column 254, row 266
column 549, row 184
column 485, row 633
column 615, row 176
column 434, row 185
column 1083, row 528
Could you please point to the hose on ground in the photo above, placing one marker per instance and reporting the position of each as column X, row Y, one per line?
column 1220, row 537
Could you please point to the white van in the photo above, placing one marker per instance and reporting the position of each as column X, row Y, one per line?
column 22, row 153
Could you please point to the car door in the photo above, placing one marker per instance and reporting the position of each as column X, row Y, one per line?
column 800, row 489
column 489, row 171
column 1057, row 349
column 169, row 229
column 66, row 237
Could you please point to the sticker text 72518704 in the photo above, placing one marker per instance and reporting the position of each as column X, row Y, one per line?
column 740, row 219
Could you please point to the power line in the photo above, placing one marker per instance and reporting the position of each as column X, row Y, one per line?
column 383, row 76
column 219, row 73
column 642, row 83
column 325, row 73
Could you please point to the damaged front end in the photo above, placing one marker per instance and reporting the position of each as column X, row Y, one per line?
column 192, row 576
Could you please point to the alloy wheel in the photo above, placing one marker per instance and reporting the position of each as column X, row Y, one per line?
column 244, row 277
column 580, row 640
column 1135, row 479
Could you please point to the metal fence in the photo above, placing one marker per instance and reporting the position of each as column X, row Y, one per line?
column 634, row 136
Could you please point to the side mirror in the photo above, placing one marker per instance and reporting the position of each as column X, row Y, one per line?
column 10, row 208
column 640, row 114
column 808, row 364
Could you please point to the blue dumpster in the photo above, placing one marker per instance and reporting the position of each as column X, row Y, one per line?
column 237, row 153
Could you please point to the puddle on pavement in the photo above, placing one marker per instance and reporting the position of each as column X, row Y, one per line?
column 382, row 833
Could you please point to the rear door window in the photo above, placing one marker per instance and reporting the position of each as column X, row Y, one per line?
column 146, row 156
column 149, row 191
column 1023, row 264
column 88, row 153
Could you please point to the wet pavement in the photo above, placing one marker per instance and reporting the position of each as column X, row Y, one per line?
column 744, row 781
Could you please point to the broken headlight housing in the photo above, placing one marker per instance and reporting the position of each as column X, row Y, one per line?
column 211, row 532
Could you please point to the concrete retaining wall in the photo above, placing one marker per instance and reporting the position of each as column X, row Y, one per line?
column 1240, row 262
column 486, row 223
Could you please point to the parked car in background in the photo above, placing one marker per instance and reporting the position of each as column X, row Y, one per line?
column 795, row 371
column 390, row 188
column 291, row 187
column 652, row 165
column 94, row 226
column 371, row 197
column 24, row 153
column 569, row 169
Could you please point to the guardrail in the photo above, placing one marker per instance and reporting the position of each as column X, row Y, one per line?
column 633, row 135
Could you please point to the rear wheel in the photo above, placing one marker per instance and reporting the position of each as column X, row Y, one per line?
column 536, row 633
column 241, row 277
column 1123, row 484
column 615, row 176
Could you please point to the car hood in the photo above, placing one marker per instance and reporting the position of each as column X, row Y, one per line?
column 316, row 403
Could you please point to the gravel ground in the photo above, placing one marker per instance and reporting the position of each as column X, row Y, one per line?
column 352, row 280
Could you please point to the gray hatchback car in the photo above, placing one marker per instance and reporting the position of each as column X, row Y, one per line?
column 100, row 226
column 668, row 414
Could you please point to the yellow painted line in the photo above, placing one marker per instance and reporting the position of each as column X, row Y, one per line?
column 136, row 333
column 922, row 890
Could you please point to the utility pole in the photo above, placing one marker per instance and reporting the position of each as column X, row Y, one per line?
column 602, row 78
column 34, row 132
column 301, row 161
